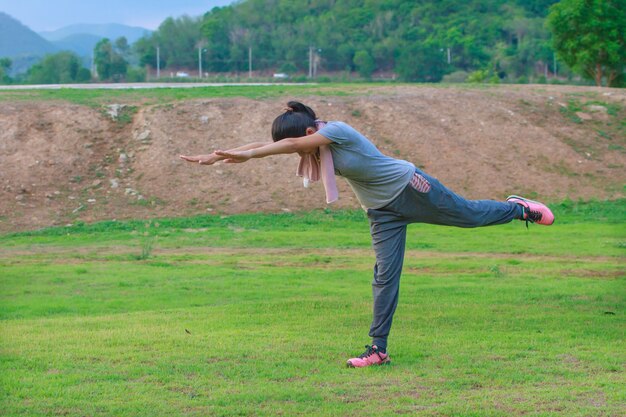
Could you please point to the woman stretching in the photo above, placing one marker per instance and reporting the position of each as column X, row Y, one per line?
column 393, row 192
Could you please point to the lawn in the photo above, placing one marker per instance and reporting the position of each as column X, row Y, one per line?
column 151, row 96
column 256, row 315
column 148, row 96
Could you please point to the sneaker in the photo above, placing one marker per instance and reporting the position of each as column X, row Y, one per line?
column 534, row 211
column 371, row 356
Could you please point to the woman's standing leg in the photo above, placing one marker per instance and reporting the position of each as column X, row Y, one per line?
column 388, row 246
column 388, row 240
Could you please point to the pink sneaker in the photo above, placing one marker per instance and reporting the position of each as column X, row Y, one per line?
column 534, row 211
column 371, row 356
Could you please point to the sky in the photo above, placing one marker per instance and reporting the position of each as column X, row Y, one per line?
column 45, row 15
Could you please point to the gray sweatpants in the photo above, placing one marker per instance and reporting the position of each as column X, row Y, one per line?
column 424, row 200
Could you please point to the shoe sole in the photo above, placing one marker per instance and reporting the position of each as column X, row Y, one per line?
column 386, row 362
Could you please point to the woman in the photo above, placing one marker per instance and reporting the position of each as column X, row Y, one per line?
column 393, row 192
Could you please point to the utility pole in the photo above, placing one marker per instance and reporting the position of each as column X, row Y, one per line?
column 200, row 61
column 201, row 44
column 313, row 61
column 554, row 65
column 449, row 57
column 158, row 63
column 249, row 62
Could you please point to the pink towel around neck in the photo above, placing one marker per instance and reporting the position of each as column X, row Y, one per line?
column 313, row 168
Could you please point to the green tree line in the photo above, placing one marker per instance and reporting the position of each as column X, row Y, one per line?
column 415, row 40
column 418, row 40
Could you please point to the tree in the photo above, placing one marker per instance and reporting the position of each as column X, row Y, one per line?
column 110, row 59
column 5, row 66
column 364, row 63
column 60, row 68
column 102, row 58
column 421, row 61
column 177, row 39
column 121, row 47
column 408, row 37
column 588, row 35
column 119, row 61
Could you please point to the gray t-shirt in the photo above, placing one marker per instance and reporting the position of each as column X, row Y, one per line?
column 376, row 179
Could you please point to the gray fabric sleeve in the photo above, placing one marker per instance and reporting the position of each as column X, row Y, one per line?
column 335, row 132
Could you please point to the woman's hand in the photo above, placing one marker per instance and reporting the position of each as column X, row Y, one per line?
column 234, row 157
column 202, row 159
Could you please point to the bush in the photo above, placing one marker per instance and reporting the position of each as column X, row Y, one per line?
column 60, row 68
column 483, row 76
column 479, row 76
column 83, row 75
column 136, row 75
column 288, row 68
column 364, row 63
column 522, row 80
column 455, row 77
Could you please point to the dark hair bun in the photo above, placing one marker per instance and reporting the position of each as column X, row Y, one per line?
column 298, row 107
column 294, row 122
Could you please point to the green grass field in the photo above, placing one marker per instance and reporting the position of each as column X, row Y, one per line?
column 151, row 96
column 256, row 315
column 147, row 96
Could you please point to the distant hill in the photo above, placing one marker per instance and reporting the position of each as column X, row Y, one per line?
column 17, row 39
column 81, row 43
column 111, row 31
column 82, row 38
column 21, row 44
column 25, row 47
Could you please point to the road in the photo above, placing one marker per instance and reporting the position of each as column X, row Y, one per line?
column 124, row 86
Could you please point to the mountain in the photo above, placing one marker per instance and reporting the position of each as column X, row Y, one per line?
column 17, row 39
column 23, row 46
column 80, row 43
column 82, row 38
column 111, row 31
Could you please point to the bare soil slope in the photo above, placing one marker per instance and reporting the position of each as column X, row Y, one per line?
column 61, row 162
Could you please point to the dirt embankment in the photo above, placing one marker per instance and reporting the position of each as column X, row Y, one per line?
column 62, row 162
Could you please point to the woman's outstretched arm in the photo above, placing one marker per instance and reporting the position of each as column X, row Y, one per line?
column 210, row 159
column 304, row 144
